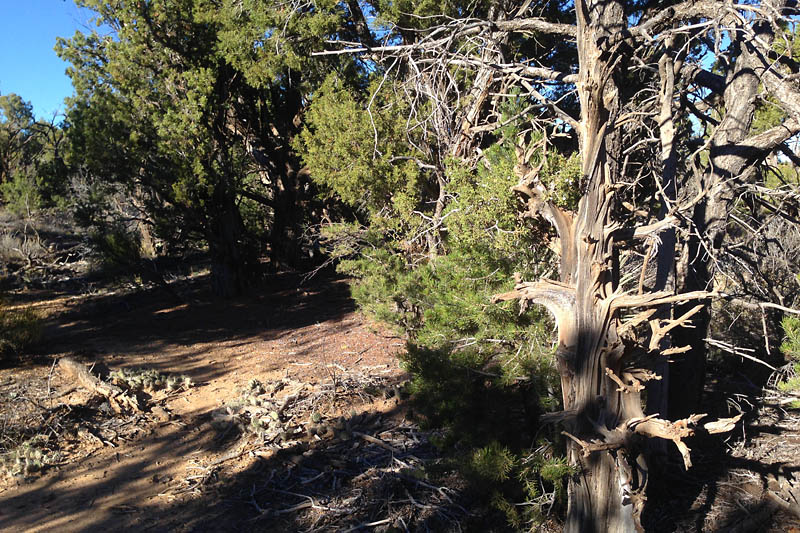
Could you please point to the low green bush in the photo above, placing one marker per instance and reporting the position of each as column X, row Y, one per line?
column 20, row 329
column 791, row 349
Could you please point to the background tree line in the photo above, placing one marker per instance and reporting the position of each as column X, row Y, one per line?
column 623, row 163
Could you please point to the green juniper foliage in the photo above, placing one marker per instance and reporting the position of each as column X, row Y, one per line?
column 19, row 330
column 188, row 109
column 791, row 348
column 482, row 372
column 33, row 173
column 441, row 302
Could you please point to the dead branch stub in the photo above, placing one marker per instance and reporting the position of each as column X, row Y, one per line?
column 119, row 400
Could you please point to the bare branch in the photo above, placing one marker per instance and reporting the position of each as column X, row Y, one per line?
column 462, row 28
column 659, row 298
column 559, row 298
column 536, row 25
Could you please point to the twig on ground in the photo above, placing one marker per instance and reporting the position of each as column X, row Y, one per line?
column 376, row 441
column 49, row 378
column 230, row 455
column 368, row 524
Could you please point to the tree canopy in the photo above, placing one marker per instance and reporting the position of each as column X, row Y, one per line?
column 199, row 102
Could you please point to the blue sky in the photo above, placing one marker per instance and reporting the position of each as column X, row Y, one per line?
column 28, row 64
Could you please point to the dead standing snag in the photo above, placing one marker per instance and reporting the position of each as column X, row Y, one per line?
column 595, row 360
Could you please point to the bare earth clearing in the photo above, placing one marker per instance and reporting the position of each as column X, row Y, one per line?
column 339, row 450
column 181, row 465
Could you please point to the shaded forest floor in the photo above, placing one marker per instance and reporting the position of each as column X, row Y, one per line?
column 324, row 439
column 345, row 455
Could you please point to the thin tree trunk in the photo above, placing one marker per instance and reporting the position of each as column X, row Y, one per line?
column 229, row 266
column 710, row 216
column 658, row 389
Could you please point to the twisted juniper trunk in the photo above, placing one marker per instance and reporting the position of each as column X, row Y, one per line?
column 291, row 185
column 606, row 492
column 599, row 494
column 229, row 264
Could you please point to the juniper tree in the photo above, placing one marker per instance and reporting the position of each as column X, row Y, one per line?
column 157, row 86
column 32, row 169
column 17, row 132
column 199, row 101
column 646, row 247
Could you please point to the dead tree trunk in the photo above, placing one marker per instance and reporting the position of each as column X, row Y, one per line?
column 600, row 379
column 600, row 384
column 602, row 491
column 599, row 495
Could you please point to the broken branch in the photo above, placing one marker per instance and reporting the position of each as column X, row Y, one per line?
column 117, row 398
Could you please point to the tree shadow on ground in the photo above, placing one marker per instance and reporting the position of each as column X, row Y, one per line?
column 144, row 318
column 186, row 474
column 373, row 468
column 709, row 495
column 334, row 483
column 122, row 327
column 371, row 473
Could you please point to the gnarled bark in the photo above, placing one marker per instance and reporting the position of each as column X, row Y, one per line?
column 731, row 156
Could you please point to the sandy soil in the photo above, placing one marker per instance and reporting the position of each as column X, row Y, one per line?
column 311, row 335
column 357, row 462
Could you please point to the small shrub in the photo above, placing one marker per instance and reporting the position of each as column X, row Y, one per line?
column 19, row 330
column 9, row 247
column 118, row 250
column 487, row 427
column 16, row 248
column 20, row 194
column 790, row 382
column 28, row 458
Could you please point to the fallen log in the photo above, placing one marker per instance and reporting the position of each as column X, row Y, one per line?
column 119, row 400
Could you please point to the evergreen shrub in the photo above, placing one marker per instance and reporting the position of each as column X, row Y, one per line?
column 482, row 373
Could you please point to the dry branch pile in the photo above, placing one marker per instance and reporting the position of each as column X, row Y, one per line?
column 324, row 459
column 45, row 429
